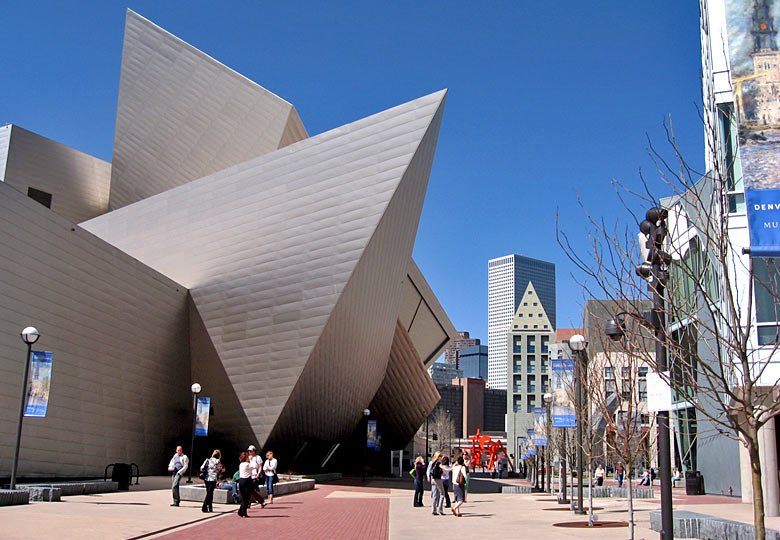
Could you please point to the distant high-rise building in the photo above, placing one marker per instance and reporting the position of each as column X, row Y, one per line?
column 444, row 373
column 452, row 353
column 529, row 339
column 508, row 278
column 474, row 362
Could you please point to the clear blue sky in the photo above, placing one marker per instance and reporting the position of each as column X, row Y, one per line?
column 547, row 100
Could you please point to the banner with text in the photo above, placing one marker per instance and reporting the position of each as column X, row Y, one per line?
column 202, row 417
column 754, row 58
column 563, row 385
column 40, row 384
column 540, row 425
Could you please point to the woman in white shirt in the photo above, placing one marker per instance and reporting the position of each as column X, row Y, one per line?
column 245, row 483
column 269, row 468
column 458, row 476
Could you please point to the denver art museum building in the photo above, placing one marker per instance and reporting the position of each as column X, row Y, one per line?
column 222, row 245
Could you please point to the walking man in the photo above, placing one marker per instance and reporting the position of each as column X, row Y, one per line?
column 177, row 466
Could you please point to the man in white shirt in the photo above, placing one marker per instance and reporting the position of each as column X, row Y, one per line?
column 177, row 466
column 256, row 462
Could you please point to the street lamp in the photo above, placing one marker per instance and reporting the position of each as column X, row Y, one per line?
column 366, row 414
column 548, row 397
column 195, row 388
column 579, row 344
column 29, row 335
column 654, row 271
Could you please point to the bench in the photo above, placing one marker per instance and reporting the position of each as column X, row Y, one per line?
column 694, row 525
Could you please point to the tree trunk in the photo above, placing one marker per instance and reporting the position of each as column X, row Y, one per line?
column 758, row 490
column 630, row 508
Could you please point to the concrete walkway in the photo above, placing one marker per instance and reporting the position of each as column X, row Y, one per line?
column 377, row 510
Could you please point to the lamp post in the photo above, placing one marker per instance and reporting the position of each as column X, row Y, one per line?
column 548, row 397
column 195, row 388
column 29, row 335
column 366, row 413
column 579, row 344
column 654, row 271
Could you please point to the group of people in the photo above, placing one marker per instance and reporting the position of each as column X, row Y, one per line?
column 647, row 479
column 252, row 474
column 440, row 473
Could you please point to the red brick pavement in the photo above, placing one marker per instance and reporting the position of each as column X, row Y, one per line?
column 310, row 515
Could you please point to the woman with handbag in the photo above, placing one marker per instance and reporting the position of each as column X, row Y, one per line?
column 210, row 472
column 458, row 476
column 269, row 468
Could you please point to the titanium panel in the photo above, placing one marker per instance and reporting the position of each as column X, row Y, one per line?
column 118, row 333
column 5, row 140
column 182, row 115
column 304, row 246
column 407, row 394
column 78, row 183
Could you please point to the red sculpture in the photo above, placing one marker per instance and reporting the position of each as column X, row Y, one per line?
column 483, row 446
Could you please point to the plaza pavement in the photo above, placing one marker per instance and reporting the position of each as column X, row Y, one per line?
column 379, row 509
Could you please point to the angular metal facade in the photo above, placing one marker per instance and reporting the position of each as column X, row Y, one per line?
column 296, row 303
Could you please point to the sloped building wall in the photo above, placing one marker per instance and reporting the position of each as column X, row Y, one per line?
column 118, row 334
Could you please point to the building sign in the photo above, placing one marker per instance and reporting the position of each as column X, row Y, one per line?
column 40, row 384
column 754, row 57
column 563, row 414
column 202, row 417
column 659, row 393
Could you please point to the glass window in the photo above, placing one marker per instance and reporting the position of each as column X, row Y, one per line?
column 608, row 373
column 530, row 344
column 766, row 282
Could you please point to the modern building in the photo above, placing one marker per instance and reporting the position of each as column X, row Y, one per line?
column 529, row 338
column 452, row 353
column 444, row 373
column 508, row 278
column 225, row 245
column 474, row 362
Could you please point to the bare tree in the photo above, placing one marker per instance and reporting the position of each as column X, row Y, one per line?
column 711, row 294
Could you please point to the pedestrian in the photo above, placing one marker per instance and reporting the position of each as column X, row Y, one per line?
column 212, row 467
column 645, row 480
column 620, row 470
column 467, row 462
column 257, row 466
column 437, row 488
column 245, row 483
column 419, row 475
column 652, row 475
column 445, row 480
column 459, row 475
column 600, row 475
column 224, row 483
column 177, row 466
column 269, row 471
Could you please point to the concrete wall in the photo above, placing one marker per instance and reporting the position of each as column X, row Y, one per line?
column 118, row 334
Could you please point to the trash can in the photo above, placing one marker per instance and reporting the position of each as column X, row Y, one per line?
column 694, row 483
column 123, row 474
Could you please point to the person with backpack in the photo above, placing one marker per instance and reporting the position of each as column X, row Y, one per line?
column 437, row 487
column 458, row 475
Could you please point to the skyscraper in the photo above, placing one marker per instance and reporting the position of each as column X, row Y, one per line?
column 452, row 353
column 508, row 278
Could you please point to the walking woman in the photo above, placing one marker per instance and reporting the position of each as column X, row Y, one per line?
column 446, row 469
column 245, row 483
column 269, row 469
column 458, row 475
column 419, row 474
column 437, row 489
column 212, row 466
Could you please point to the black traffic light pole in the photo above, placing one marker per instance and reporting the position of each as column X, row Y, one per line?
column 654, row 227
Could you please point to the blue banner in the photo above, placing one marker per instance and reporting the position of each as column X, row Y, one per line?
column 40, row 384
column 562, row 383
column 540, row 426
column 373, row 437
column 202, row 417
column 763, row 212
